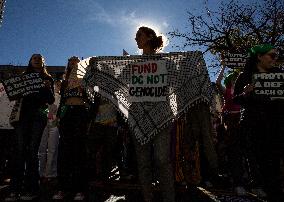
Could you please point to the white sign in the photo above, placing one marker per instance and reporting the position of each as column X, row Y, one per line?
column 2, row 90
column 5, row 109
column 148, row 81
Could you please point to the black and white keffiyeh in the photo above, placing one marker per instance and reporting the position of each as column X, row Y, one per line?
column 184, row 74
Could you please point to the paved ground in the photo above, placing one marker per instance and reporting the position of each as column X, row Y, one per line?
column 119, row 192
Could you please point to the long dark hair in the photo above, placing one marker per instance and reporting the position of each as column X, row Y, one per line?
column 156, row 42
column 254, row 53
column 251, row 64
column 68, row 71
column 43, row 71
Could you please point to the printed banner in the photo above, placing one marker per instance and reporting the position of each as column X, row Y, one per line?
column 19, row 86
column 235, row 60
column 186, row 84
column 148, row 81
column 271, row 84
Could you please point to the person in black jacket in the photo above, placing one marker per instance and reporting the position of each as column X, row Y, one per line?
column 261, row 122
column 29, row 128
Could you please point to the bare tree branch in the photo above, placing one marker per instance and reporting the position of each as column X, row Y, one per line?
column 235, row 26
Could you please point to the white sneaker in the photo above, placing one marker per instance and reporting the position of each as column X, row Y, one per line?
column 58, row 196
column 259, row 192
column 12, row 197
column 79, row 197
column 240, row 191
column 28, row 196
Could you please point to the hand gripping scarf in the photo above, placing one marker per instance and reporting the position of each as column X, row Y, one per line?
column 187, row 83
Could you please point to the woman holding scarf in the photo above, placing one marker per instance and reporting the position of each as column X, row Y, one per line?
column 261, row 122
column 150, row 43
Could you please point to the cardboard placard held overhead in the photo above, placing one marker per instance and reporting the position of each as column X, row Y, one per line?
column 19, row 86
column 235, row 60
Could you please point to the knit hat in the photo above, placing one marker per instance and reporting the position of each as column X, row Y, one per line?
column 230, row 77
column 260, row 49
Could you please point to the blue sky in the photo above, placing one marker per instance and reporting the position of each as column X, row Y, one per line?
column 59, row 29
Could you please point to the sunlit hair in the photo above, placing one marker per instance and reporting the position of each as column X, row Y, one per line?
column 68, row 71
column 30, row 68
column 69, row 68
column 156, row 42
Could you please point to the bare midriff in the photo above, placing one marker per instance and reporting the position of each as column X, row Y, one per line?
column 74, row 101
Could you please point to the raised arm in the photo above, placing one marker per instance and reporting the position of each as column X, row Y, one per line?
column 219, row 79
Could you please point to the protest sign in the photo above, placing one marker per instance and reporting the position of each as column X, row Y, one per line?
column 19, row 86
column 2, row 90
column 235, row 60
column 271, row 84
column 148, row 81
column 5, row 109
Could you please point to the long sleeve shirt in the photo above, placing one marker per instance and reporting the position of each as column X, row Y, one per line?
column 253, row 104
column 38, row 100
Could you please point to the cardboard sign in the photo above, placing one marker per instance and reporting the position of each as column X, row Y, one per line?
column 19, row 86
column 148, row 81
column 235, row 60
column 2, row 90
column 5, row 109
column 271, row 84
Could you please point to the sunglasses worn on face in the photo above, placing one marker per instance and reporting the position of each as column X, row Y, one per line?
column 273, row 55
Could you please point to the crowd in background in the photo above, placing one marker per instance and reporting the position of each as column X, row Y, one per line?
column 61, row 136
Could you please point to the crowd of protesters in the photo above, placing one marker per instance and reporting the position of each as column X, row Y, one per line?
column 61, row 135
column 251, row 131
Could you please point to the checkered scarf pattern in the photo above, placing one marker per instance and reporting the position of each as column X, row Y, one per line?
column 187, row 80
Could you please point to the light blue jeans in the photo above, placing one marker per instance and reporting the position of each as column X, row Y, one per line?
column 48, row 151
column 161, row 143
